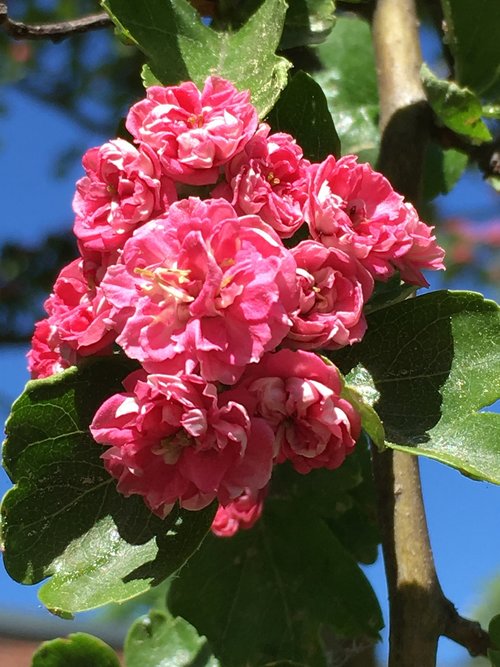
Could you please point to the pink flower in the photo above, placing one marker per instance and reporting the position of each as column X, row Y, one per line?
column 268, row 178
column 299, row 395
column 202, row 286
column 79, row 314
column 44, row 358
column 333, row 290
column 354, row 208
column 194, row 132
column 172, row 439
column 241, row 514
column 123, row 188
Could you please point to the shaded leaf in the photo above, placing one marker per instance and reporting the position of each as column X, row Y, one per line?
column 435, row 360
column 457, row 108
column 442, row 170
column 471, row 31
column 64, row 517
column 158, row 640
column 302, row 111
column 181, row 47
column 76, row 650
column 349, row 82
column 267, row 591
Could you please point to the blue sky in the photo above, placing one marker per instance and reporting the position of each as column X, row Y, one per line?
column 462, row 514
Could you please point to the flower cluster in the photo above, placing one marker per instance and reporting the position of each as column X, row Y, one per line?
column 188, row 264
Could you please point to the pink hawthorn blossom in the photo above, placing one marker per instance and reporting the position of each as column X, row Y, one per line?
column 202, row 286
column 241, row 514
column 79, row 313
column 194, row 132
column 172, row 438
column 354, row 208
column 122, row 188
column 44, row 357
column 299, row 395
column 268, row 178
column 334, row 288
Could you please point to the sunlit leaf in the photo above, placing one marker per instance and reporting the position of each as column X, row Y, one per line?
column 158, row 640
column 181, row 47
column 435, row 360
column 457, row 108
column 76, row 650
column 64, row 518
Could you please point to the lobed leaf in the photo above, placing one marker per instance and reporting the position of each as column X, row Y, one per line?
column 435, row 360
column 181, row 47
column 263, row 595
column 64, row 518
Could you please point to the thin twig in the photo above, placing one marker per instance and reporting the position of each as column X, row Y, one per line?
column 465, row 632
column 52, row 31
column 60, row 30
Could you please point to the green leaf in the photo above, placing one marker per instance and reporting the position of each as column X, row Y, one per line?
column 267, row 592
column 307, row 22
column 180, row 47
column 435, row 360
column 158, row 640
column 472, row 31
column 494, row 657
column 362, row 394
column 385, row 294
column 457, row 108
column 77, row 650
column 64, row 517
column 344, row 497
column 442, row 170
column 494, row 631
column 350, row 84
column 494, row 181
column 302, row 111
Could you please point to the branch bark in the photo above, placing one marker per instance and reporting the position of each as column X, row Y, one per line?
column 419, row 612
column 60, row 30
column 52, row 31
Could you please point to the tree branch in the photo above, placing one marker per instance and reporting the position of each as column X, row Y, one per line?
column 56, row 32
column 465, row 632
column 419, row 612
column 52, row 31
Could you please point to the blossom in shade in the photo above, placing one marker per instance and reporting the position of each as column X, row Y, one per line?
column 299, row 395
column 123, row 188
column 240, row 514
column 79, row 314
column 202, row 286
column 44, row 357
column 354, row 208
column 194, row 132
column 268, row 178
column 333, row 290
column 172, row 438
